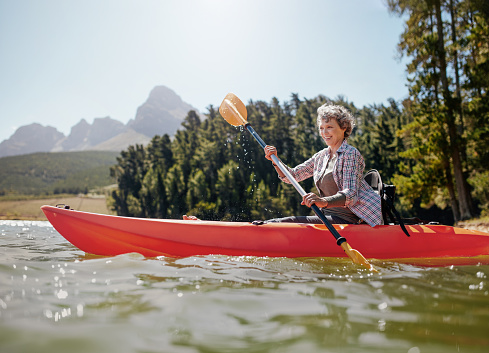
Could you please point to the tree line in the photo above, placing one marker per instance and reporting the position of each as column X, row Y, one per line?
column 431, row 145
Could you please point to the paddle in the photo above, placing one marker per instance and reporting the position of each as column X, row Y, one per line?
column 234, row 112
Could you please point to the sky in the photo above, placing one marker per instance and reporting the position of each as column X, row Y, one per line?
column 66, row 60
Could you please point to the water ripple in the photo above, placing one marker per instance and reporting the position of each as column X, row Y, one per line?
column 55, row 298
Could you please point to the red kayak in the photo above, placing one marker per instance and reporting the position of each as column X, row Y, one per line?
column 108, row 235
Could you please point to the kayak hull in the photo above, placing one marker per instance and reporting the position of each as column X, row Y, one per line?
column 113, row 235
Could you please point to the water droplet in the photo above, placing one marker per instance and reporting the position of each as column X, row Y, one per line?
column 62, row 294
column 79, row 310
column 414, row 350
column 48, row 313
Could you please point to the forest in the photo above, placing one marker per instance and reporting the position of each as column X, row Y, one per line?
column 48, row 173
column 431, row 145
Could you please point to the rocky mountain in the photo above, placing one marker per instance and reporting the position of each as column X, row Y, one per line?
column 162, row 113
column 29, row 139
column 121, row 141
column 84, row 136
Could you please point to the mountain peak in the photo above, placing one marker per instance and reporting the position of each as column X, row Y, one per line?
column 29, row 139
column 162, row 113
column 84, row 136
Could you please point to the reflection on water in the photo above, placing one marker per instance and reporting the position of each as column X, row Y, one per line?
column 55, row 298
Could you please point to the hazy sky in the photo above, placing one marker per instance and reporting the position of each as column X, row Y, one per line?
column 64, row 60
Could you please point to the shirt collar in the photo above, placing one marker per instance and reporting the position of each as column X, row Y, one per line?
column 342, row 148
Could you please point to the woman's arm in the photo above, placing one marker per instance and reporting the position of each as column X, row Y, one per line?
column 301, row 172
column 336, row 200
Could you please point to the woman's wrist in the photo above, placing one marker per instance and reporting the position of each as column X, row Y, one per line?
column 325, row 202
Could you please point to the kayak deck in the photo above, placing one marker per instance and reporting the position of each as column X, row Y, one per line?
column 113, row 235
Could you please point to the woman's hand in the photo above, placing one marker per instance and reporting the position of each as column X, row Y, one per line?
column 269, row 151
column 311, row 199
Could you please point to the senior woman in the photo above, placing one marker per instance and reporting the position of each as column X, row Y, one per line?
column 344, row 196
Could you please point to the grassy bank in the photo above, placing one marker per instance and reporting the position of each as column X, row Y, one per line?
column 29, row 209
column 480, row 224
column 51, row 173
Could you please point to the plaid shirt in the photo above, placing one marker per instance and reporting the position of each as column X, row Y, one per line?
column 361, row 199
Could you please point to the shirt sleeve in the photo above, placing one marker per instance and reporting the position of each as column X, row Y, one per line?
column 353, row 166
column 336, row 200
column 302, row 171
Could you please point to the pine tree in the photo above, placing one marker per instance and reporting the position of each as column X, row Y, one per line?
column 428, row 40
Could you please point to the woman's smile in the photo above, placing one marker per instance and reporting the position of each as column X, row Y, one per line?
column 332, row 133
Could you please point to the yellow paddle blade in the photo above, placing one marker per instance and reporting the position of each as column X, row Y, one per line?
column 233, row 110
column 356, row 257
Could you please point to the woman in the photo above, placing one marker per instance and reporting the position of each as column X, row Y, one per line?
column 344, row 196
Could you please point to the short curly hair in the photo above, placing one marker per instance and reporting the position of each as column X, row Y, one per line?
column 343, row 116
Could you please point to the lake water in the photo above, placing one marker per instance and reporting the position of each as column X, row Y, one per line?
column 55, row 298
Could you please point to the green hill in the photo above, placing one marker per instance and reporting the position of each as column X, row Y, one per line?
column 50, row 173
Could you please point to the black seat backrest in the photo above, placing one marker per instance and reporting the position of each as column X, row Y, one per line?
column 375, row 181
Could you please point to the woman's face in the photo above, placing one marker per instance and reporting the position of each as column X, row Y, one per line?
column 332, row 133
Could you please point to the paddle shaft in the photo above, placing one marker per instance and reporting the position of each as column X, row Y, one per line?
column 338, row 237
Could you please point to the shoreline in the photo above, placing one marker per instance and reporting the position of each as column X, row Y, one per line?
column 30, row 210
column 478, row 225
